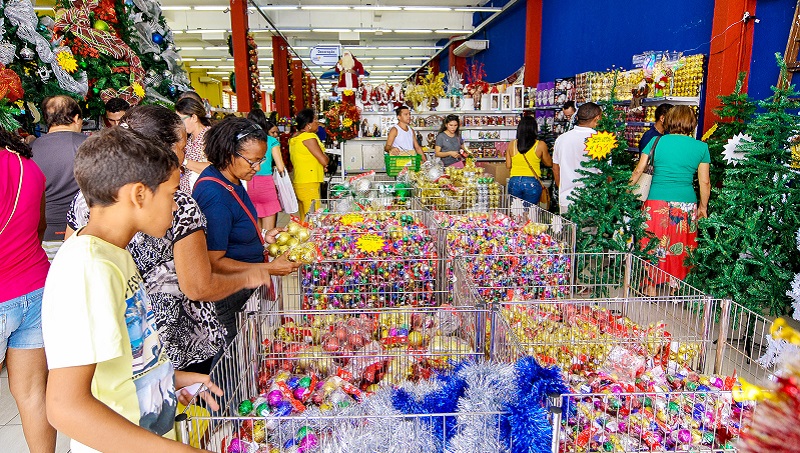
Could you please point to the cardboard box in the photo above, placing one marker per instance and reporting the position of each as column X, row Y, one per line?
column 498, row 170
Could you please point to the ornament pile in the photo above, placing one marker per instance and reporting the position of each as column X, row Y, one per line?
column 295, row 242
column 364, row 193
column 450, row 189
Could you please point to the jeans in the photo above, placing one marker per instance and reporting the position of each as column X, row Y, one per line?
column 228, row 310
column 526, row 187
column 21, row 323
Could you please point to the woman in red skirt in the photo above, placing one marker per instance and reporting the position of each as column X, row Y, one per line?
column 672, row 207
column 261, row 188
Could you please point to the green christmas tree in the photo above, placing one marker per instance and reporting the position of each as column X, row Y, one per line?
column 735, row 111
column 746, row 249
column 607, row 213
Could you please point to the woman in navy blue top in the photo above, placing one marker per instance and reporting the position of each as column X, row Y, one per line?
column 236, row 148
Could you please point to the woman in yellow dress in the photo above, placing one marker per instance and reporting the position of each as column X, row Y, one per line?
column 308, row 158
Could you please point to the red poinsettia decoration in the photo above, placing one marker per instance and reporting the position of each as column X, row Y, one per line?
column 342, row 122
column 10, row 85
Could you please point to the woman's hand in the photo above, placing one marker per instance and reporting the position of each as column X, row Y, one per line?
column 207, row 388
column 282, row 266
column 702, row 213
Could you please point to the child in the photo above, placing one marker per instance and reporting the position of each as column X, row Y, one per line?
column 111, row 387
column 402, row 140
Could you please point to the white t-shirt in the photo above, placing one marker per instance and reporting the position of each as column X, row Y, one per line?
column 95, row 310
column 404, row 139
column 569, row 152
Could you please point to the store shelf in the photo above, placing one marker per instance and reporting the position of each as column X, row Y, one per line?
column 639, row 123
column 454, row 112
column 678, row 100
column 543, row 107
column 490, row 159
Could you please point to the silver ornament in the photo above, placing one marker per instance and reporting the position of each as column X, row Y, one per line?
column 157, row 57
column 27, row 54
column 7, row 51
column 44, row 73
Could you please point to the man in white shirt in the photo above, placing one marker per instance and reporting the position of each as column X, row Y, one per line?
column 570, row 151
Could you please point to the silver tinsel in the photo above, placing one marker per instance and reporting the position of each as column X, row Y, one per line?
column 7, row 52
column 20, row 13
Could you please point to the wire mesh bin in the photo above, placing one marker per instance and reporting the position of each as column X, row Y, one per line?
column 352, row 352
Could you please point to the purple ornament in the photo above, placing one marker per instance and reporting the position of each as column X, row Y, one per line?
column 237, row 446
column 275, row 397
column 283, row 408
column 308, row 443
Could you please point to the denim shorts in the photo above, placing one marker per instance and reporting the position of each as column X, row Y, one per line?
column 21, row 323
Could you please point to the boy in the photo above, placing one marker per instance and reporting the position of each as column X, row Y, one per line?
column 111, row 387
column 402, row 140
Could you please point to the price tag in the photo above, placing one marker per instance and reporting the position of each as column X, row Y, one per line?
column 370, row 243
column 600, row 144
column 349, row 219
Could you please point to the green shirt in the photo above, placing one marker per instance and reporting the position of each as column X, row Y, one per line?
column 677, row 158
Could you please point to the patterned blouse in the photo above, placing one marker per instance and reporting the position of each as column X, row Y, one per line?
column 188, row 329
column 196, row 151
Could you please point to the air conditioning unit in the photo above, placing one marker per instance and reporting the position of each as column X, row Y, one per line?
column 471, row 47
column 208, row 80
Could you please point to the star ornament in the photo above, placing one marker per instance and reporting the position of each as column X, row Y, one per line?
column 600, row 144
column 734, row 150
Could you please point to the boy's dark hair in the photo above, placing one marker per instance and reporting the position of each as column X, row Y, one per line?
column 400, row 109
column 662, row 110
column 115, row 105
column 116, row 156
column 155, row 121
column 60, row 110
column 303, row 118
column 568, row 105
column 191, row 106
column 587, row 111
column 227, row 137
column 527, row 134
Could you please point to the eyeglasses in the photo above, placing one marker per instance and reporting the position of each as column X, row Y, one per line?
column 185, row 117
column 253, row 164
column 250, row 130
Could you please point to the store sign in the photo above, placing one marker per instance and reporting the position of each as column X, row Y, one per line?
column 325, row 55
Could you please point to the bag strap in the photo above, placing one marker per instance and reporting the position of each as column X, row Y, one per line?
column 652, row 157
column 529, row 164
column 230, row 189
column 19, row 191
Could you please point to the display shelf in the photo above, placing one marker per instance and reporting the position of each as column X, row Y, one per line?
column 676, row 100
column 639, row 123
column 490, row 159
column 454, row 112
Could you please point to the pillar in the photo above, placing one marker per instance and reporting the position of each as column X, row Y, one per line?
column 460, row 63
column 280, row 71
column 297, row 86
column 239, row 29
column 533, row 42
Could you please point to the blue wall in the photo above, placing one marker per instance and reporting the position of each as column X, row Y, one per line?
column 506, row 37
column 770, row 36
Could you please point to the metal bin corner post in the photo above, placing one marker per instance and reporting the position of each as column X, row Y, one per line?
column 708, row 322
column 182, row 428
column 722, row 340
column 555, row 403
column 626, row 288
column 251, row 364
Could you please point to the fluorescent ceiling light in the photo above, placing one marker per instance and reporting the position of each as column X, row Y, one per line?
column 394, row 48
column 330, row 30
column 199, row 31
column 325, row 7
column 386, row 58
column 365, row 58
column 454, row 32
column 296, row 30
column 191, row 48
column 187, row 59
column 427, row 8
column 411, row 30
column 388, row 66
column 301, row 47
column 378, row 8
column 212, row 59
column 177, row 32
column 225, row 67
column 478, row 10
column 216, row 48
column 261, row 30
column 277, row 7
column 218, row 72
column 173, row 8
column 43, row 8
column 211, row 8
column 393, row 72
column 204, row 67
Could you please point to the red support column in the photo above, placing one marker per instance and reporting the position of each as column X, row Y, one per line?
column 241, row 58
column 533, row 42
column 460, row 63
column 297, row 86
column 730, row 53
column 280, row 71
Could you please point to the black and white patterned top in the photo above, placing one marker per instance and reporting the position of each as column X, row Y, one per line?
column 188, row 329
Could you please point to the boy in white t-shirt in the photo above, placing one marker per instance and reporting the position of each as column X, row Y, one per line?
column 111, row 387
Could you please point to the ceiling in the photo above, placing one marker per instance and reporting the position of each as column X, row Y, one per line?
column 395, row 37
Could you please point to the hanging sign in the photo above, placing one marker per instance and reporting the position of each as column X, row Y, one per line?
column 325, row 55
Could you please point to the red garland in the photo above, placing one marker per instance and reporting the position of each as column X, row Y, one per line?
column 10, row 85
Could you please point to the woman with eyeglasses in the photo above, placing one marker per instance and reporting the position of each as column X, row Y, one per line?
column 176, row 268
column 193, row 115
column 261, row 188
column 236, row 148
column 309, row 160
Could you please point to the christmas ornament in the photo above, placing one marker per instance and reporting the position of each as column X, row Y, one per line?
column 27, row 54
column 44, row 73
column 7, row 52
column 158, row 38
column 67, row 61
column 735, row 149
column 10, row 85
column 101, row 25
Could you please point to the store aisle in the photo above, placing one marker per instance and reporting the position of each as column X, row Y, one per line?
column 11, row 438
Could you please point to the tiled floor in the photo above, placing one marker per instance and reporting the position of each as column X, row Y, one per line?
column 11, row 438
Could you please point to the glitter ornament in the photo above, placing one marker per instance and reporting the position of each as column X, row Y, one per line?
column 27, row 54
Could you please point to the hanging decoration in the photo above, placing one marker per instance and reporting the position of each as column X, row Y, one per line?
column 342, row 122
column 476, row 86
column 734, row 150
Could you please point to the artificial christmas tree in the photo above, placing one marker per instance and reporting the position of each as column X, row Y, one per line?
column 746, row 249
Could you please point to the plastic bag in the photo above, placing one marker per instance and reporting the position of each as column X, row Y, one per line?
column 286, row 195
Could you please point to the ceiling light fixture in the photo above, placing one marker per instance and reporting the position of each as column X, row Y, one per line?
column 411, row 30
column 325, row 7
column 278, row 7
column 202, row 30
column 378, row 8
column 171, row 8
column 330, row 30
column 216, row 48
column 453, row 32
column 211, row 8
column 478, row 9
column 189, row 48
column 427, row 8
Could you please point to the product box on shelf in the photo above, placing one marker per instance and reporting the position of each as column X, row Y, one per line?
column 564, row 90
column 496, row 169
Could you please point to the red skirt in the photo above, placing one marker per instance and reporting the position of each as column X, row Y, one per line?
column 264, row 195
column 674, row 225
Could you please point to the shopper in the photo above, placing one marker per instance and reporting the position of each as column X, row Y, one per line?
column 176, row 269
column 401, row 139
column 526, row 172
column 568, row 110
column 54, row 153
column 569, row 153
column 309, row 160
column 261, row 188
column 658, row 128
column 194, row 118
column 110, row 383
column 23, row 267
column 115, row 110
column 450, row 146
column 236, row 148
column 672, row 207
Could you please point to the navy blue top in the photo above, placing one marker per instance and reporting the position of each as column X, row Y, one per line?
column 647, row 136
column 229, row 228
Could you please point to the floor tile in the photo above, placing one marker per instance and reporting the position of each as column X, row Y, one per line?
column 15, row 421
column 8, row 407
column 12, row 439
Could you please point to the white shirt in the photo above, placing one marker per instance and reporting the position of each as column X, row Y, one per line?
column 569, row 153
column 404, row 139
